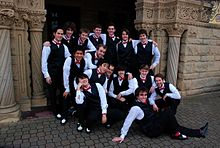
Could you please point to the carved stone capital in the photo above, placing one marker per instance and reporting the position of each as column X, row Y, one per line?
column 175, row 30
column 7, row 17
column 36, row 23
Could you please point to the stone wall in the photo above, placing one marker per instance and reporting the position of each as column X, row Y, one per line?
column 199, row 64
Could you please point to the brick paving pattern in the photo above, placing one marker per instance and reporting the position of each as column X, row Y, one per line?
column 46, row 131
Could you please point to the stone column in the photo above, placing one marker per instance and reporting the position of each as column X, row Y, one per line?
column 36, row 27
column 9, row 110
column 175, row 33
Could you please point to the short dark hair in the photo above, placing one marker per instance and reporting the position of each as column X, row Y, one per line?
column 82, row 76
column 97, row 26
column 111, row 24
column 159, row 75
column 101, row 45
column 125, row 30
column 71, row 25
column 142, row 31
column 56, row 28
column 139, row 89
column 120, row 68
column 78, row 48
column 144, row 66
column 84, row 30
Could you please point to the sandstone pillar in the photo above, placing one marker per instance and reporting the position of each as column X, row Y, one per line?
column 175, row 33
column 9, row 110
column 36, row 28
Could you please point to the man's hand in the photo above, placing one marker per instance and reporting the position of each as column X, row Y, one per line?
column 122, row 99
column 130, row 76
column 164, row 97
column 79, row 86
column 155, row 43
column 152, row 67
column 47, row 44
column 118, row 96
column 48, row 80
column 104, row 118
column 118, row 139
column 155, row 108
column 152, row 89
column 65, row 94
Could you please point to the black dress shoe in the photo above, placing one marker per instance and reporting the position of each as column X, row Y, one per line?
column 179, row 136
column 204, row 130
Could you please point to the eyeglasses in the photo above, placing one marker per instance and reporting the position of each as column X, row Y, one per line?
column 142, row 94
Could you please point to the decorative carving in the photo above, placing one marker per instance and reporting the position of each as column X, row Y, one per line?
column 175, row 30
column 34, row 3
column 188, row 13
column 37, row 22
column 6, row 17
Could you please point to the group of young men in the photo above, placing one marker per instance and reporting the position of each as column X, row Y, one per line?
column 107, row 79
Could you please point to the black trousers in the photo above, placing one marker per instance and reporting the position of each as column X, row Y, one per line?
column 165, row 122
column 55, row 92
column 87, row 115
column 169, row 102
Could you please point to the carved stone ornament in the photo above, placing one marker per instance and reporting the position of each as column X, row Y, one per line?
column 37, row 22
column 6, row 17
column 175, row 30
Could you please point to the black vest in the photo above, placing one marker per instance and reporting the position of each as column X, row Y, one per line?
column 125, row 54
column 147, row 83
column 69, row 44
column 75, row 71
column 144, row 55
column 56, row 59
column 75, row 44
column 117, row 87
column 92, row 99
column 94, row 42
column 92, row 53
column 149, row 115
column 95, row 79
column 166, row 90
column 110, row 54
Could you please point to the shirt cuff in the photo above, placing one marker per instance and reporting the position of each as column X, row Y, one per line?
column 104, row 111
column 122, row 136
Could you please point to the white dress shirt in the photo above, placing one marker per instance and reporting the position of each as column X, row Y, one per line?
column 130, row 90
column 102, row 95
column 174, row 94
column 135, row 113
column 155, row 53
column 66, row 71
column 89, row 74
column 45, row 54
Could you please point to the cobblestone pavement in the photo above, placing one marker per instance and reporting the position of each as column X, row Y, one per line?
column 46, row 131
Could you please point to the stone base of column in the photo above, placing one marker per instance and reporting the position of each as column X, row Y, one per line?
column 39, row 101
column 10, row 113
column 25, row 104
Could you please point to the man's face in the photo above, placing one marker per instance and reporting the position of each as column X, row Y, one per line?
column 78, row 55
column 97, row 31
column 84, row 81
column 69, row 32
column 124, row 36
column 110, row 70
column 58, row 35
column 121, row 73
column 83, row 36
column 143, row 72
column 142, row 97
column 101, row 52
column 143, row 37
column 159, row 81
column 103, row 68
column 111, row 30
